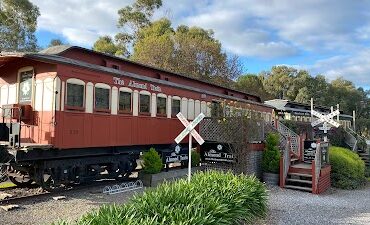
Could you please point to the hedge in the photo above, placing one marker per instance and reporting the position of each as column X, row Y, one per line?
column 348, row 170
column 210, row 198
column 271, row 154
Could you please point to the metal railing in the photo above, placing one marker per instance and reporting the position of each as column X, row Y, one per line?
column 294, row 138
column 282, row 139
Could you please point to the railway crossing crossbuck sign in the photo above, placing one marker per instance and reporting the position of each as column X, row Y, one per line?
column 189, row 129
column 325, row 119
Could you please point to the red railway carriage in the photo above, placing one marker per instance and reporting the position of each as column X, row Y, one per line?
column 69, row 113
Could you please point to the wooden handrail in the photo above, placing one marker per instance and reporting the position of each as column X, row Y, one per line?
column 316, row 168
column 285, row 164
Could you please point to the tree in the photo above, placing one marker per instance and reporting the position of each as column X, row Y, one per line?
column 55, row 42
column 279, row 80
column 252, row 84
column 106, row 45
column 18, row 23
column 191, row 51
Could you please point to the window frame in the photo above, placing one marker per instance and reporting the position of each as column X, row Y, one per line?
column 107, row 87
column 165, row 105
column 125, row 90
column 175, row 98
column 146, row 93
column 76, row 82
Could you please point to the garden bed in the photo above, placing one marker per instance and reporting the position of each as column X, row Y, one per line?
column 210, row 198
column 153, row 180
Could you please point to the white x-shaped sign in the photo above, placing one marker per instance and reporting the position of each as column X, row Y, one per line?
column 325, row 118
column 189, row 128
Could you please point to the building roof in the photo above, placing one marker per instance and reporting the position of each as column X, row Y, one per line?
column 287, row 105
column 59, row 49
column 56, row 58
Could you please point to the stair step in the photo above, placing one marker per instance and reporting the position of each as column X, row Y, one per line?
column 299, row 180
column 298, row 188
column 300, row 174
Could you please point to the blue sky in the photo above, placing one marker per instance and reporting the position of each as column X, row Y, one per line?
column 322, row 36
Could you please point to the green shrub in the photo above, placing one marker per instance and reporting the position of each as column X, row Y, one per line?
column 348, row 170
column 195, row 158
column 152, row 162
column 210, row 198
column 271, row 154
column 337, row 137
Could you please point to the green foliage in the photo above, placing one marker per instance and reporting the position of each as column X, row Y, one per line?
column 152, row 162
column 107, row 45
column 55, row 42
column 298, row 127
column 253, row 84
column 18, row 23
column 160, row 45
column 348, row 170
column 271, row 154
column 195, row 158
column 210, row 198
column 337, row 137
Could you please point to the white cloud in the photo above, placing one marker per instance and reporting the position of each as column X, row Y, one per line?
column 355, row 68
column 264, row 29
column 80, row 22
column 289, row 26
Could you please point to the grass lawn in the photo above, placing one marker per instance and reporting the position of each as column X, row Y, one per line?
column 6, row 185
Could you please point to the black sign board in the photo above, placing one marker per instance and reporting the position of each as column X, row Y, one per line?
column 216, row 152
column 25, row 86
column 175, row 155
column 309, row 150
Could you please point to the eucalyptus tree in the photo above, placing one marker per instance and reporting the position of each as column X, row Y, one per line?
column 18, row 23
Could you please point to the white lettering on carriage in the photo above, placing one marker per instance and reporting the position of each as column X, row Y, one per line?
column 137, row 85
column 155, row 88
column 117, row 80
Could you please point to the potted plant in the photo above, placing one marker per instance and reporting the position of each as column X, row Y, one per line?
column 152, row 164
column 271, row 160
column 195, row 158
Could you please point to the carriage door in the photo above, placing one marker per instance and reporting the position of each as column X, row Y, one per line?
column 25, row 91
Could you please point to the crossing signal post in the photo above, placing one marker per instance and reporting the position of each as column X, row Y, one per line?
column 189, row 130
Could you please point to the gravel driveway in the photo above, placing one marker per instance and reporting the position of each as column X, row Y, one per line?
column 286, row 207
column 333, row 207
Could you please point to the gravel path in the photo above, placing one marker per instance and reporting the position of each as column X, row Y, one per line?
column 333, row 207
column 46, row 210
column 286, row 207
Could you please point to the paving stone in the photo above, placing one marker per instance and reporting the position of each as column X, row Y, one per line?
column 59, row 198
column 9, row 207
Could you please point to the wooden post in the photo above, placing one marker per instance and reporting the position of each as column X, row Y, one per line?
column 311, row 109
column 354, row 120
column 313, row 177
column 282, row 180
column 338, row 114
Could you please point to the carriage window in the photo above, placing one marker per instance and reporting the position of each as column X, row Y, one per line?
column 161, row 105
column 216, row 110
column 176, row 106
column 144, row 103
column 101, row 98
column 124, row 101
column 75, row 95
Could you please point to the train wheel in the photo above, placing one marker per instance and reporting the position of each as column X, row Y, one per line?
column 122, row 175
column 21, row 180
column 44, row 179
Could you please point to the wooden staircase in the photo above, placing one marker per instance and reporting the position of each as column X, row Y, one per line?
column 299, row 177
column 309, row 175
column 365, row 156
